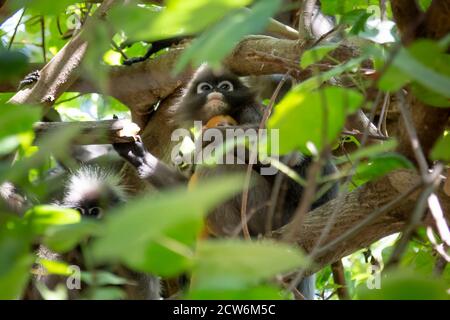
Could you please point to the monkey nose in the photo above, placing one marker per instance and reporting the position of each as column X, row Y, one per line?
column 215, row 96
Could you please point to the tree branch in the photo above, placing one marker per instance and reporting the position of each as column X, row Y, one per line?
column 61, row 72
column 357, row 206
column 92, row 132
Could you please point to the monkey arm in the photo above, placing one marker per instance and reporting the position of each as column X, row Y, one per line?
column 148, row 167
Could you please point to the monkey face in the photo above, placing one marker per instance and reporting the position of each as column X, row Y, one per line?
column 211, row 93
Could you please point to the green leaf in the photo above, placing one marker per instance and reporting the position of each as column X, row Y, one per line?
column 46, row 7
column 215, row 44
column 379, row 166
column 179, row 17
column 63, row 238
column 55, row 267
column 441, row 150
column 300, row 117
column 165, row 225
column 406, row 285
column 316, row 81
column 12, row 64
column 17, row 119
column 41, row 217
column 316, row 54
column 332, row 7
column 369, row 151
column 15, row 259
column 424, row 62
column 246, row 263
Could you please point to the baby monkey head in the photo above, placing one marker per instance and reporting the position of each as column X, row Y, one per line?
column 214, row 92
column 91, row 190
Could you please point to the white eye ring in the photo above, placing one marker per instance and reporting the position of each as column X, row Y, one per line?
column 226, row 85
column 98, row 214
column 203, row 86
column 79, row 209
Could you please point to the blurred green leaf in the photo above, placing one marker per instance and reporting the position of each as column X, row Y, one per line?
column 368, row 151
column 317, row 80
column 332, row 7
column 215, row 44
column 441, row 150
column 41, row 217
column 406, row 285
column 316, row 54
column 12, row 63
column 378, row 166
column 164, row 220
column 62, row 238
column 300, row 117
column 246, row 263
column 55, row 267
column 15, row 259
column 17, row 118
column 424, row 62
column 178, row 17
column 47, row 7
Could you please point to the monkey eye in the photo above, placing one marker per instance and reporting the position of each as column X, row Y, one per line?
column 95, row 211
column 204, row 87
column 226, row 86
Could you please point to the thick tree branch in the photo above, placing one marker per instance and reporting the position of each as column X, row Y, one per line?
column 357, row 206
column 428, row 121
column 62, row 71
column 92, row 132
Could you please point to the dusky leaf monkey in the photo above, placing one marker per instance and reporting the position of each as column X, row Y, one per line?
column 219, row 94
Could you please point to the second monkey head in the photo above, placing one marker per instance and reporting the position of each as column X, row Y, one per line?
column 212, row 93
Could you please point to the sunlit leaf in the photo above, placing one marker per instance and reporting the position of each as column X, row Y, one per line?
column 316, row 54
column 242, row 266
column 215, row 44
column 62, row 238
column 302, row 117
column 41, row 217
column 153, row 225
column 178, row 17
column 404, row 285
column 16, row 119
column 379, row 166
column 441, row 150
column 15, row 260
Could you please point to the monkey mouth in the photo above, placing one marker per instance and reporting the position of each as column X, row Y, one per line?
column 215, row 106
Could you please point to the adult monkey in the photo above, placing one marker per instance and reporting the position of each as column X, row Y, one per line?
column 219, row 93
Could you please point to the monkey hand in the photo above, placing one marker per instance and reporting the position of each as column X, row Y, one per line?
column 29, row 79
column 134, row 151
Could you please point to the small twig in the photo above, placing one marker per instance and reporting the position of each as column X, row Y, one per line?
column 44, row 53
column 69, row 99
column 349, row 234
column 15, row 30
column 253, row 156
column 357, row 133
column 414, row 139
column 337, row 269
column 431, row 182
column 119, row 50
column 381, row 127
